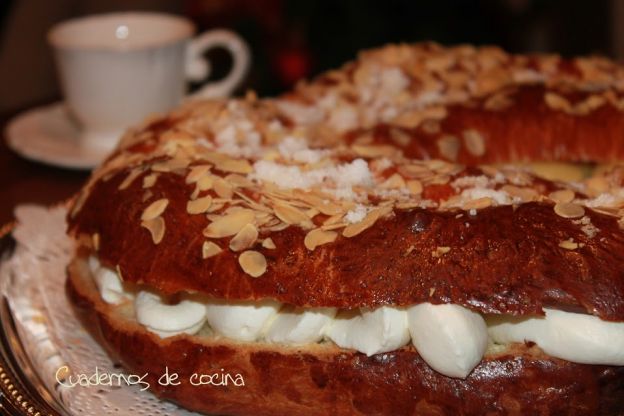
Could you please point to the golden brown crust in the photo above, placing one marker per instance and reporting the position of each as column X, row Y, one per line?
column 321, row 381
column 161, row 207
column 502, row 260
column 526, row 130
column 327, row 196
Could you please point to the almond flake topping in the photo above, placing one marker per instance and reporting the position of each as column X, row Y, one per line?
column 372, row 151
column 557, row 102
column 352, row 230
column 253, row 263
column 478, row 203
column 199, row 205
column 568, row 244
column 475, row 144
column 95, row 240
column 597, row 185
column 134, row 173
column 440, row 251
column 245, row 238
column 268, row 243
column 395, row 181
column 569, row 210
column 223, row 188
column 290, row 214
column 415, row 186
column 319, row 237
column 156, row 227
column 562, row 196
column 260, row 166
column 229, row 224
column 234, row 165
column 155, row 209
column 205, row 182
column 210, row 249
column 449, row 146
column 196, row 173
column 150, row 180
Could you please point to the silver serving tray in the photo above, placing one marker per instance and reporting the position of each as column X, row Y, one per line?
column 21, row 390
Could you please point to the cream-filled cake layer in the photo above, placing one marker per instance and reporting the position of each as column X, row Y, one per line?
column 450, row 338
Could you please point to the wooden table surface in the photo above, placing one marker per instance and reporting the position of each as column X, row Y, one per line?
column 23, row 181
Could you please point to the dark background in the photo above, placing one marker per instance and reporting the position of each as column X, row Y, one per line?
column 299, row 38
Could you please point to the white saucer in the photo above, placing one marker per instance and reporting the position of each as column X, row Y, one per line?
column 47, row 134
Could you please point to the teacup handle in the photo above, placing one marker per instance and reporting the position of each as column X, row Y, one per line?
column 198, row 67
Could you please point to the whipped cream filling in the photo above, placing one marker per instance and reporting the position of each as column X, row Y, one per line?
column 573, row 337
column 450, row 338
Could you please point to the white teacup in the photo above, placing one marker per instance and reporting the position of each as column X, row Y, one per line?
column 118, row 68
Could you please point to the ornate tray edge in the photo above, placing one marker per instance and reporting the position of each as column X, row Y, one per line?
column 17, row 395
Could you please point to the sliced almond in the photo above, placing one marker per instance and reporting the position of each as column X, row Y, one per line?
column 479, row 203
column 95, row 240
column 569, row 210
column 134, row 173
column 239, row 180
column 229, row 224
column 448, row 146
column 440, row 251
column 334, row 226
column 199, row 205
column 374, row 151
column 352, row 230
column 318, row 237
column 147, row 195
column 79, row 201
column 400, row 137
column 312, row 212
column 205, row 182
column 234, row 165
column 253, row 263
column 210, row 249
column 498, row 101
column 563, row 195
column 196, row 173
column 474, row 142
column 597, row 185
column 155, row 209
column 334, row 219
column 568, row 244
column 278, row 227
column 431, row 126
column 171, row 165
column 414, row 170
column 289, row 214
column 156, row 227
column 323, row 204
column 118, row 270
column 268, row 243
column 415, row 186
column 245, row 238
column 407, row 205
column 409, row 119
column 216, row 206
column 395, row 181
column 223, row 188
column 525, row 194
column 150, row 180
column 557, row 102
column 263, row 218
